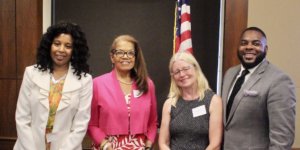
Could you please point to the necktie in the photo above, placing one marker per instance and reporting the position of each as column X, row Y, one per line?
column 237, row 86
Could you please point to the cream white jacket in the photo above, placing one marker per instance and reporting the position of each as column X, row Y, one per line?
column 72, row 116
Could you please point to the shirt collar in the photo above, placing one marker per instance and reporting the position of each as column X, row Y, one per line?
column 252, row 69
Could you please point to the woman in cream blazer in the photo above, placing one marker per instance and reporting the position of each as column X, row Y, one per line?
column 63, row 59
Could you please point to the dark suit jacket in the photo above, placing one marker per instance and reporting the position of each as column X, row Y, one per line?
column 262, row 116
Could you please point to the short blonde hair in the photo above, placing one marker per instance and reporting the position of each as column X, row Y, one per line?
column 202, row 83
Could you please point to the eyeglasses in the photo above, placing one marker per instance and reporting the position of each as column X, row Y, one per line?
column 184, row 70
column 121, row 53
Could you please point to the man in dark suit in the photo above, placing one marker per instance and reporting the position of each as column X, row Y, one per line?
column 259, row 113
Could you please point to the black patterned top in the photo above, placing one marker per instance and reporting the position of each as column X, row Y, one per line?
column 190, row 123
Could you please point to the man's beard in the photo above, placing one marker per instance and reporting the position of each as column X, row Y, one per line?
column 260, row 57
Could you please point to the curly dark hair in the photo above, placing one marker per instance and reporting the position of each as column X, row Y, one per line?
column 80, row 52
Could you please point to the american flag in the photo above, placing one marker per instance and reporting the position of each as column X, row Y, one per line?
column 182, row 28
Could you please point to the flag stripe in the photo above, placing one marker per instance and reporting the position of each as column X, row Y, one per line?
column 182, row 28
column 185, row 45
column 185, row 36
column 185, row 9
column 185, row 18
column 186, row 26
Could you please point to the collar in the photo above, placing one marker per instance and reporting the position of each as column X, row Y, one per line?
column 252, row 69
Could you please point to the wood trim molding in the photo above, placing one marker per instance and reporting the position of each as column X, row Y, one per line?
column 236, row 16
column 5, row 138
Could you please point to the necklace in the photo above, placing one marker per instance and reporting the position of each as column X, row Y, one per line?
column 127, row 83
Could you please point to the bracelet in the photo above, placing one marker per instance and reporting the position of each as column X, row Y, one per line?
column 105, row 147
column 103, row 144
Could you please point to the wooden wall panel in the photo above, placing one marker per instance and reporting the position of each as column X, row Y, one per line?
column 7, row 74
column 236, row 16
column 7, row 144
column 8, row 94
column 8, row 133
column 7, row 39
column 20, row 32
column 29, row 31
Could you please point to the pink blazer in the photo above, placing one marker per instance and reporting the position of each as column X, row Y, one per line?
column 109, row 111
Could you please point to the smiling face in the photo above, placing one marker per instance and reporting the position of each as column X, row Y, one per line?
column 61, row 50
column 184, row 74
column 252, row 48
column 122, row 57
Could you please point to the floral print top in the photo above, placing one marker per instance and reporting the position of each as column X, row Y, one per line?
column 55, row 95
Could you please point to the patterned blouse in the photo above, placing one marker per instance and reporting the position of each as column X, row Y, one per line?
column 55, row 94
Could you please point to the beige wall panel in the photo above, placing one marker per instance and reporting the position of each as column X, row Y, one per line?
column 280, row 20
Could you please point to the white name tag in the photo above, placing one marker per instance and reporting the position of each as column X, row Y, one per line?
column 137, row 93
column 199, row 111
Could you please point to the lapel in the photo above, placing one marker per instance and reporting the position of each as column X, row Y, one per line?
column 120, row 97
column 230, row 78
column 254, row 78
column 118, row 93
column 42, row 80
column 71, row 84
column 136, row 97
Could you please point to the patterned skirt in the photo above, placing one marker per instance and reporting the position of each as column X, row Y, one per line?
column 126, row 142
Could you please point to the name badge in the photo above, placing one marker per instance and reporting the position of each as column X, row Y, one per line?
column 137, row 93
column 199, row 111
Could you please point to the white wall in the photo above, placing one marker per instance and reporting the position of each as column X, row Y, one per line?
column 280, row 21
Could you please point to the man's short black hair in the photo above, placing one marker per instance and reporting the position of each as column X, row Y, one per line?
column 254, row 29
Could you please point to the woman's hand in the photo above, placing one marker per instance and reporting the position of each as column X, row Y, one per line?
column 108, row 146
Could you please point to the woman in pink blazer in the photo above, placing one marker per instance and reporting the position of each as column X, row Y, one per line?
column 124, row 114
